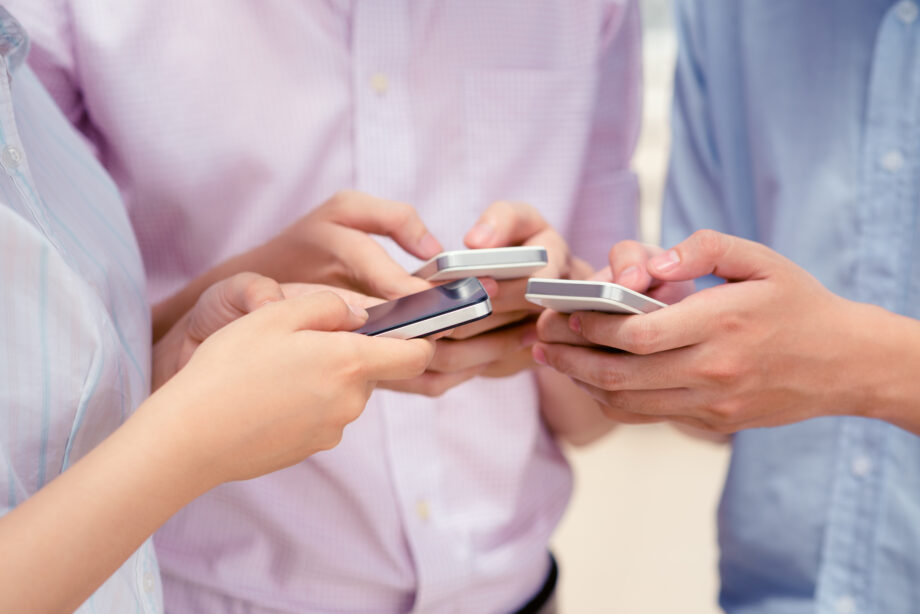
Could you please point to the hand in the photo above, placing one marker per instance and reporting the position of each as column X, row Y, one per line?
column 507, row 224
column 330, row 245
column 497, row 346
column 271, row 388
column 221, row 304
column 770, row 347
column 629, row 268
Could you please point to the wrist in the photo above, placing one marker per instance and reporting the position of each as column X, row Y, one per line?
column 885, row 357
column 174, row 444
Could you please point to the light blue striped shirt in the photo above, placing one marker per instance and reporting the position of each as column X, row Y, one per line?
column 74, row 321
column 797, row 123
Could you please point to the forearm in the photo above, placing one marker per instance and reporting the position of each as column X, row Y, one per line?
column 570, row 412
column 886, row 368
column 61, row 544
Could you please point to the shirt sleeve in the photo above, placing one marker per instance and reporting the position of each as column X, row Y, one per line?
column 693, row 194
column 607, row 200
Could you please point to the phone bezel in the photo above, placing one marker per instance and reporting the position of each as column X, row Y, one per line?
column 569, row 295
column 498, row 263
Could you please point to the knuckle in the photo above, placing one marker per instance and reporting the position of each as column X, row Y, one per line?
column 257, row 289
column 641, row 338
column 730, row 322
column 610, row 378
column 437, row 389
column 723, row 413
column 720, row 371
column 343, row 196
column 402, row 213
column 710, row 241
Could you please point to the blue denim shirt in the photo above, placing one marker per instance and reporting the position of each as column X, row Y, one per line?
column 797, row 123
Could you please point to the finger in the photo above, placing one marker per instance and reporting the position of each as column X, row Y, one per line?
column 509, row 297
column 580, row 269
column 385, row 359
column 642, row 406
column 618, row 415
column 559, row 259
column 503, row 224
column 614, row 372
column 629, row 264
column 553, row 327
column 451, row 356
column 354, row 299
column 431, row 384
column 493, row 322
column 510, row 364
column 393, row 219
column 228, row 300
column 708, row 252
column 371, row 268
column 674, row 327
column 604, row 274
column 323, row 311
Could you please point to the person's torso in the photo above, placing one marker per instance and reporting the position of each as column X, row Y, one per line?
column 224, row 125
column 815, row 115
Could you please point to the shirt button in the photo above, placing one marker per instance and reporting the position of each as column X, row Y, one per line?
column 380, row 83
column 907, row 11
column 893, row 161
column 11, row 157
column 845, row 605
column 149, row 581
column 861, row 466
column 422, row 510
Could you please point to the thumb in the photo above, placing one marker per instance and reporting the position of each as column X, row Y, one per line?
column 708, row 252
column 504, row 224
column 324, row 311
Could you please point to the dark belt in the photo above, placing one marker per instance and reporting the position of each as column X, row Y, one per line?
column 545, row 593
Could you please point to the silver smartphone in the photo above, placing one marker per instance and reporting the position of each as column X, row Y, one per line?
column 498, row 263
column 566, row 296
column 428, row 312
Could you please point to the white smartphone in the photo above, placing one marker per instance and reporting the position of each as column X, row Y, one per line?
column 566, row 296
column 499, row 263
column 428, row 312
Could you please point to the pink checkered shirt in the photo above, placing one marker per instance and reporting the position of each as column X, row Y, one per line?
column 224, row 121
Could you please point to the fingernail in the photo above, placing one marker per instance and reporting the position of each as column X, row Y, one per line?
column 539, row 355
column 529, row 338
column 429, row 246
column 666, row 261
column 628, row 275
column 358, row 311
column 575, row 323
column 480, row 234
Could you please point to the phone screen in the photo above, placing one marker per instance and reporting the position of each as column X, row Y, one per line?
column 425, row 305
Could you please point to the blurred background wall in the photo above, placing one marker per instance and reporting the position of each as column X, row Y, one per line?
column 639, row 536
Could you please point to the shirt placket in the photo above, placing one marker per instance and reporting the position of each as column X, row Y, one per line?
column 386, row 166
column 385, row 163
column 886, row 209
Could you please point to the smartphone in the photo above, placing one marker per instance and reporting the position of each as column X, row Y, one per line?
column 566, row 296
column 430, row 311
column 499, row 263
